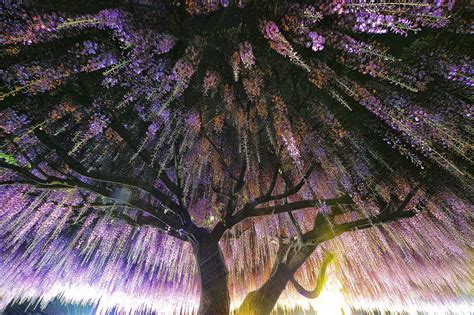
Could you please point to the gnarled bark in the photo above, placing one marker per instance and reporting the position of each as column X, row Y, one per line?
column 214, row 298
column 262, row 300
column 291, row 256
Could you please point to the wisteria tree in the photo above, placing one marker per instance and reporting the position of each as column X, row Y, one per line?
column 191, row 146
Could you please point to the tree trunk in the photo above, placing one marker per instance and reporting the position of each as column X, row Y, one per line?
column 214, row 299
column 262, row 300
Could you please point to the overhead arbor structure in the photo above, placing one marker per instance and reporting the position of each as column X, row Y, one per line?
column 216, row 156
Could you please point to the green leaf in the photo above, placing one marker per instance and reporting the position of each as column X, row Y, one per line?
column 10, row 159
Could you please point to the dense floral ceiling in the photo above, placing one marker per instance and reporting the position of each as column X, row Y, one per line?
column 136, row 133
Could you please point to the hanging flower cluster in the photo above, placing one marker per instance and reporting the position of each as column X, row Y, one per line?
column 279, row 43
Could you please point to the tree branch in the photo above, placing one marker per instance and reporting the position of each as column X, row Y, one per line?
column 383, row 216
column 123, row 133
column 373, row 221
column 61, row 183
column 291, row 191
column 250, row 210
column 292, row 206
column 322, row 277
column 142, row 220
column 221, row 157
column 274, row 179
column 241, row 180
column 103, row 177
column 117, row 126
column 297, row 205
column 296, row 226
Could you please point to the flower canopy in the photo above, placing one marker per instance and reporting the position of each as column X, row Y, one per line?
column 127, row 127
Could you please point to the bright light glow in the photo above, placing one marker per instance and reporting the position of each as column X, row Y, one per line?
column 331, row 299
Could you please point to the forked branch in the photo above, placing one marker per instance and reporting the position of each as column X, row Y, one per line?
column 165, row 222
column 383, row 216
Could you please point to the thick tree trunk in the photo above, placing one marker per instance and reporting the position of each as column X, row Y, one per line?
column 262, row 300
column 214, row 299
column 290, row 257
